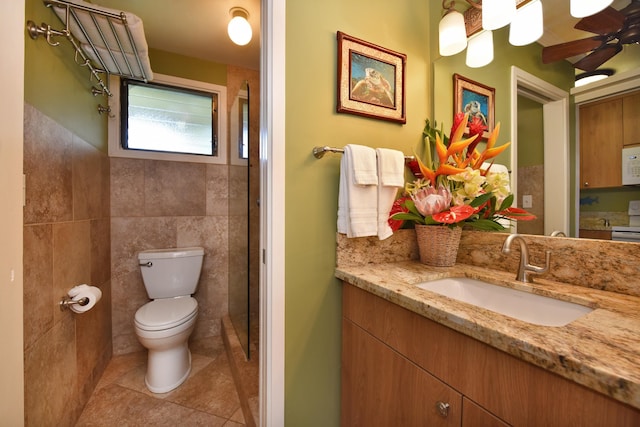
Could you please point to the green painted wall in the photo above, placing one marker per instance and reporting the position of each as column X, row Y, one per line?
column 313, row 295
column 188, row 68
column 57, row 86
column 530, row 132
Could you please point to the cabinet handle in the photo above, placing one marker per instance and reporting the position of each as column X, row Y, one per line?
column 586, row 183
column 442, row 408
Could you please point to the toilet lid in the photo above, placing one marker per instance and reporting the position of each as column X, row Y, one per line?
column 166, row 313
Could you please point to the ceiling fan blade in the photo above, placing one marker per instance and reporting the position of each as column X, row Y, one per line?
column 598, row 57
column 606, row 21
column 569, row 49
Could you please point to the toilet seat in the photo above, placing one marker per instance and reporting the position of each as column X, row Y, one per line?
column 166, row 313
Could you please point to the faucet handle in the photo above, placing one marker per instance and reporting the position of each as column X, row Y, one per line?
column 539, row 270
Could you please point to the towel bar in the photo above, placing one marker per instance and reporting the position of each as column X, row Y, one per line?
column 319, row 152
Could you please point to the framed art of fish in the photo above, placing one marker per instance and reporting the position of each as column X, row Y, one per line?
column 370, row 80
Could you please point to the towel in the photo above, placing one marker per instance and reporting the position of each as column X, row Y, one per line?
column 101, row 33
column 391, row 177
column 358, row 203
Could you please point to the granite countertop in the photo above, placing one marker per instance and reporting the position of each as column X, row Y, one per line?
column 600, row 350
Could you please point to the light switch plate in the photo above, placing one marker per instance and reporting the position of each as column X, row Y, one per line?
column 527, row 201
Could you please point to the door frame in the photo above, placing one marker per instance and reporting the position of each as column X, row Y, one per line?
column 557, row 177
column 272, row 212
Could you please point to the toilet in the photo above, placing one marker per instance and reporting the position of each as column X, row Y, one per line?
column 164, row 324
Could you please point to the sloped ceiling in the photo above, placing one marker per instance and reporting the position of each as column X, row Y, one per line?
column 197, row 28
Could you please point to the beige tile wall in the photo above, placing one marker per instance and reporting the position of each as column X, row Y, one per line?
column 162, row 204
column 66, row 243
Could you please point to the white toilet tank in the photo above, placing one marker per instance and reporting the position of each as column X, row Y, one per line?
column 172, row 272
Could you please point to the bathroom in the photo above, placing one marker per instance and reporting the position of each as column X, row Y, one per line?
column 312, row 293
column 87, row 216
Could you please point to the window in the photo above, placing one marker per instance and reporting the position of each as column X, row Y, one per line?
column 169, row 119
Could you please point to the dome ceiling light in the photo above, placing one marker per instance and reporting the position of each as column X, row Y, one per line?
column 239, row 29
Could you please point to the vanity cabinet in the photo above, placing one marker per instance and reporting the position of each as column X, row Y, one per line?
column 397, row 366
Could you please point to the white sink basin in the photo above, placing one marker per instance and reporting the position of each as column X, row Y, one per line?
column 536, row 309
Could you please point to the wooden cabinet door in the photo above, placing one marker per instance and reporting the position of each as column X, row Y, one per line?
column 595, row 234
column 474, row 415
column 601, row 144
column 631, row 118
column 382, row 388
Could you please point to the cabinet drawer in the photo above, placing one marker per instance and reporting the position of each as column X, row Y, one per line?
column 382, row 388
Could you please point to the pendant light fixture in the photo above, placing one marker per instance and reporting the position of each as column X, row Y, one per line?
column 497, row 13
column 583, row 8
column 452, row 33
column 239, row 29
column 480, row 49
column 527, row 24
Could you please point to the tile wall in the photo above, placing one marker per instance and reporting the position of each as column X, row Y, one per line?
column 163, row 204
column 66, row 243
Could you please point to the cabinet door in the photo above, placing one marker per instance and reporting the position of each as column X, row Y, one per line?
column 631, row 118
column 595, row 234
column 601, row 144
column 382, row 388
column 474, row 415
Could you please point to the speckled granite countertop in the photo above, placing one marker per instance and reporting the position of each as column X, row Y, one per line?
column 600, row 350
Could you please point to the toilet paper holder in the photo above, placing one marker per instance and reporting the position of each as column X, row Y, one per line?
column 66, row 301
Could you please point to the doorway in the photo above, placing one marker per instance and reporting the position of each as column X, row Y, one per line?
column 555, row 113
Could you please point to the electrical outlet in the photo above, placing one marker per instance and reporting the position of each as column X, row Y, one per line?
column 527, row 201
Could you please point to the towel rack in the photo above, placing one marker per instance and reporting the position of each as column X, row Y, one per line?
column 99, row 47
column 319, row 152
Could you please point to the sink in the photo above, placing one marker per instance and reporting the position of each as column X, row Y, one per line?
column 532, row 308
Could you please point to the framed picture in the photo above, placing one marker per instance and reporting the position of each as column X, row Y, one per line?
column 476, row 99
column 370, row 80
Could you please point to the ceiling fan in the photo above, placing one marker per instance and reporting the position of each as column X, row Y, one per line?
column 613, row 28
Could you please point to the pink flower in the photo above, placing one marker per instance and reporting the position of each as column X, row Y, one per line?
column 429, row 201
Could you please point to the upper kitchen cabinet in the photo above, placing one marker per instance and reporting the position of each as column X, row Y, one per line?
column 601, row 144
column 631, row 118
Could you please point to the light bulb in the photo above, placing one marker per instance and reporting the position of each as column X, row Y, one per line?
column 480, row 49
column 527, row 25
column 497, row 13
column 239, row 28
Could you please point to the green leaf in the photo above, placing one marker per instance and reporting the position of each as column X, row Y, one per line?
column 478, row 201
column 486, row 225
column 408, row 216
column 506, row 203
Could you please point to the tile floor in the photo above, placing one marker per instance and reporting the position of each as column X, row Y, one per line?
column 208, row 397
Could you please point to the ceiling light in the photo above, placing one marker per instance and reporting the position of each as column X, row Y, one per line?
column 593, row 76
column 239, row 28
column 526, row 26
column 452, row 34
column 497, row 13
column 480, row 49
column 582, row 8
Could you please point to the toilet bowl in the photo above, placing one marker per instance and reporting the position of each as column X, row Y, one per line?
column 163, row 325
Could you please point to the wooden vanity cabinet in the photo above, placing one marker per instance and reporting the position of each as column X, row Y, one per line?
column 396, row 363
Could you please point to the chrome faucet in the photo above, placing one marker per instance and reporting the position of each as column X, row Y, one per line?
column 524, row 269
column 558, row 233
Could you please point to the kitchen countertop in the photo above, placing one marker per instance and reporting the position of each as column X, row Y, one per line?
column 600, row 350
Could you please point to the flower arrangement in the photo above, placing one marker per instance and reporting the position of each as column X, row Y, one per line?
column 458, row 190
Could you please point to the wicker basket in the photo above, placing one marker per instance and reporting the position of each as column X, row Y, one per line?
column 438, row 245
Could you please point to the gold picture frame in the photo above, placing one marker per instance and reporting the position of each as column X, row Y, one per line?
column 476, row 99
column 371, row 80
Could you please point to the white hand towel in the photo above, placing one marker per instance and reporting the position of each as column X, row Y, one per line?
column 365, row 170
column 357, row 204
column 391, row 177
